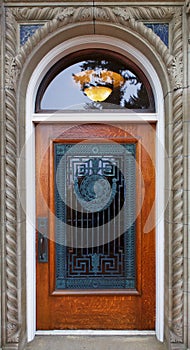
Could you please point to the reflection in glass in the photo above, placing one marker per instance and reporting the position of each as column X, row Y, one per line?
column 81, row 87
column 98, row 84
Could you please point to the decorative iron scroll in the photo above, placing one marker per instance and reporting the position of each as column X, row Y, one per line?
column 92, row 188
column 95, row 193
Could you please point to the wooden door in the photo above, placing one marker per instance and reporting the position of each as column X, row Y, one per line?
column 95, row 192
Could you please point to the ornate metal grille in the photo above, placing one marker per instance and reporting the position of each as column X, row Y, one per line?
column 95, row 193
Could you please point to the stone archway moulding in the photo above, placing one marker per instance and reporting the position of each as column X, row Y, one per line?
column 129, row 19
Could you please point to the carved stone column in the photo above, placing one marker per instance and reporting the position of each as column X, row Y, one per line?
column 11, row 233
column 176, row 334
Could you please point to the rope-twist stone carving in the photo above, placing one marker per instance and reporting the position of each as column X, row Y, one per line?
column 12, row 326
column 130, row 18
column 177, row 241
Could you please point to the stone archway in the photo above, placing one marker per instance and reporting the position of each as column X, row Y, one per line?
column 57, row 20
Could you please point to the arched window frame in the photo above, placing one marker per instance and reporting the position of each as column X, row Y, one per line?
column 92, row 54
column 32, row 118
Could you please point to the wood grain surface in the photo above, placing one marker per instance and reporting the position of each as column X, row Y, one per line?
column 123, row 309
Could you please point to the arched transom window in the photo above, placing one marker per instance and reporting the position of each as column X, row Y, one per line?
column 95, row 80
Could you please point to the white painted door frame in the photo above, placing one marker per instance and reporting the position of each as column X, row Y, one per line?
column 46, row 63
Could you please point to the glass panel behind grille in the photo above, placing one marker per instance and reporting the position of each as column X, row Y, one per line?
column 95, row 193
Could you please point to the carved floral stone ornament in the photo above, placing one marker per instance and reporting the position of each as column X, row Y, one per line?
column 127, row 18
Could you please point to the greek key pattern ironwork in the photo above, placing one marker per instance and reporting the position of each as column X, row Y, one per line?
column 94, row 247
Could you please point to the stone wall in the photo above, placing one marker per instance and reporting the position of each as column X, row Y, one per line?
column 21, row 50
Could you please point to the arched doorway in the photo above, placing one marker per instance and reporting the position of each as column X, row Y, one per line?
column 122, row 118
